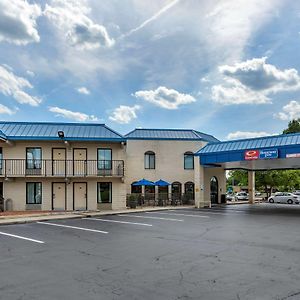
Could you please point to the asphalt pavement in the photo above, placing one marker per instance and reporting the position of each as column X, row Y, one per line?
column 232, row 252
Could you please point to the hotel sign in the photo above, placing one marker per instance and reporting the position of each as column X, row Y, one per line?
column 261, row 154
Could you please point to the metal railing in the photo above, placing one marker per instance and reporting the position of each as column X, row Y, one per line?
column 161, row 199
column 61, row 168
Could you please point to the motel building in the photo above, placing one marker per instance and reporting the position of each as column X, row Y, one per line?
column 75, row 166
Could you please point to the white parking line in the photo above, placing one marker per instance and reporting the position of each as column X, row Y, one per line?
column 115, row 221
column 171, row 214
column 148, row 217
column 22, row 238
column 72, row 227
column 208, row 212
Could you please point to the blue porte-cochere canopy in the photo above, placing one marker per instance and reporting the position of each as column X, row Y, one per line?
column 271, row 152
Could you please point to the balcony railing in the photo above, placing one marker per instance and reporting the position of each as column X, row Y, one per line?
column 61, row 168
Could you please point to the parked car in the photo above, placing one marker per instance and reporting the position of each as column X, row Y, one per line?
column 283, row 197
column 241, row 196
column 229, row 196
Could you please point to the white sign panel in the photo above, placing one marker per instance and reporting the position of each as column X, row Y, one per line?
column 293, row 155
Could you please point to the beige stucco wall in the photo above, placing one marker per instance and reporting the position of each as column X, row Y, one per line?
column 15, row 188
column 18, row 150
column 169, row 160
column 219, row 173
column 202, row 187
column 169, row 166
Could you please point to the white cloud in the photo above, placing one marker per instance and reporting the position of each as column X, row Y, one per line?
column 165, row 98
column 72, row 115
column 152, row 18
column 80, row 31
column 83, row 90
column 257, row 75
column 18, row 21
column 30, row 73
column 246, row 135
column 290, row 111
column 124, row 114
column 253, row 81
column 12, row 85
column 5, row 110
column 236, row 20
column 205, row 79
column 237, row 93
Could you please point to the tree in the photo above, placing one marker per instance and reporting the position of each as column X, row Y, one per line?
column 293, row 127
column 237, row 177
column 268, row 181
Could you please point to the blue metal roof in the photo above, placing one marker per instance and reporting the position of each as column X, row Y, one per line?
column 254, row 143
column 49, row 130
column 2, row 136
column 169, row 134
column 229, row 151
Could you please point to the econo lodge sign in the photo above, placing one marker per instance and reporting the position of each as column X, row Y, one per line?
column 261, row 154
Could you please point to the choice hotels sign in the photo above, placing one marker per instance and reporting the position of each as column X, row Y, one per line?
column 261, row 154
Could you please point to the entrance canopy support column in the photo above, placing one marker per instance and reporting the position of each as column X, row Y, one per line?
column 251, row 186
column 199, row 184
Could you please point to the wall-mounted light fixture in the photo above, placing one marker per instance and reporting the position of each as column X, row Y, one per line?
column 61, row 134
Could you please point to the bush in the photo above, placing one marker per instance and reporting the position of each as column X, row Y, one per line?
column 132, row 201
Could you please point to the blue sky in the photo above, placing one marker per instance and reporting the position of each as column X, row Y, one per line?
column 224, row 67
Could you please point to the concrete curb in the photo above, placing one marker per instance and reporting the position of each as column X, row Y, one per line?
column 76, row 215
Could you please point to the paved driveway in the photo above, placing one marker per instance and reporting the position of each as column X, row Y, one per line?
column 236, row 252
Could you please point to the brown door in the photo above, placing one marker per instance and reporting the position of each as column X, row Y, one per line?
column 80, row 195
column 79, row 156
column 58, row 162
column 59, row 196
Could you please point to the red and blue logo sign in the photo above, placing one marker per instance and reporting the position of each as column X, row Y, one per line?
column 261, row 154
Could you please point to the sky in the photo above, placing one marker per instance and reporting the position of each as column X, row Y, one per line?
column 224, row 67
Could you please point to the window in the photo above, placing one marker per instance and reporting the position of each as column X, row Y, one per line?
column 104, row 192
column 33, row 193
column 33, row 158
column 149, row 160
column 189, row 190
column 188, row 160
column 176, row 188
column 104, row 159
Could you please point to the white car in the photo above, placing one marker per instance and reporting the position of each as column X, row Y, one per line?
column 229, row 196
column 241, row 196
column 283, row 197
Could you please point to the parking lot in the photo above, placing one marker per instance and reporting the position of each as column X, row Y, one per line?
column 232, row 252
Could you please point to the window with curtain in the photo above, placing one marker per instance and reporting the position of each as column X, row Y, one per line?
column 33, row 193
column 104, row 192
column 189, row 160
column 104, row 159
column 149, row 160
column 33, row 158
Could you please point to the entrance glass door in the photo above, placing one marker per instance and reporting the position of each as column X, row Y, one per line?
column 214, row 187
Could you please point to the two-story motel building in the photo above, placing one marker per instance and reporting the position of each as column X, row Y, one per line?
column 75, row 166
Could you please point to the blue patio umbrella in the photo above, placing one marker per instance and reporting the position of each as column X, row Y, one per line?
column 161, row 182
column 143, row 182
